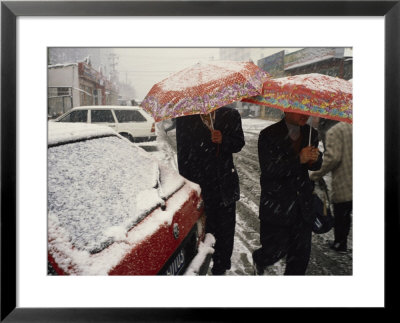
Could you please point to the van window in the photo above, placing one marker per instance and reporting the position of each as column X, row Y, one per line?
column 102, row 116
column 129, row 116
column 75, row 116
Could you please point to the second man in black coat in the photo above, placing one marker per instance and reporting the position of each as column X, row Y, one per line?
column 286, row 204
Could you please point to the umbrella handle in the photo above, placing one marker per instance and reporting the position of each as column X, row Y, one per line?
column 212, row 127
column 309, row 136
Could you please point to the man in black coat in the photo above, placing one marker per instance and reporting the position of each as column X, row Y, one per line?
column 204, row 149
column 286, row 212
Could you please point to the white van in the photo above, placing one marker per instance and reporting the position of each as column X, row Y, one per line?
column 131, row 122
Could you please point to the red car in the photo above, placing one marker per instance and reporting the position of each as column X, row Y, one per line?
column 115, row 210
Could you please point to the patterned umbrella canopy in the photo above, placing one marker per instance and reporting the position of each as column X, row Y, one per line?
column 203, row 88
column 312, row 94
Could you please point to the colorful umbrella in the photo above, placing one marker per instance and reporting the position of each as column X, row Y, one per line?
column 203, row 88
column 312, row 94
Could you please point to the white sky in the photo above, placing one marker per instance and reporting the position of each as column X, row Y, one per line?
column 143, row 67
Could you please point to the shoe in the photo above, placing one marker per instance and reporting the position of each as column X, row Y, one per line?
column 218, row 272
column 258, row 270
column 220, row 267
column 337, row 246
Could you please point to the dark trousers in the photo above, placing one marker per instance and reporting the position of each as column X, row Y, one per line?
column 342, row 214
column 221, row 222
column 293, row 241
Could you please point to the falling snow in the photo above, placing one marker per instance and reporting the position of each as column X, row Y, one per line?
column 323, row 260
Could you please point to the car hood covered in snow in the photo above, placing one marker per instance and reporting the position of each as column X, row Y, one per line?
column 98, row 189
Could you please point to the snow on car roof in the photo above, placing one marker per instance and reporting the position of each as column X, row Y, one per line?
column 98, row 190
column 97, row 184
column 62, row 132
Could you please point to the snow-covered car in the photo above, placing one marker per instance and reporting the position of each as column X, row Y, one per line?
column 131, row 122
column 115, row 210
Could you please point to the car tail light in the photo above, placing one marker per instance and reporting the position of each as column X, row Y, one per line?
column 153, row 127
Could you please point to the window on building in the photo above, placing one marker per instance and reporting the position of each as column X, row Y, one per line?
column 102, row 116
column 129, row 116
column 62, row 91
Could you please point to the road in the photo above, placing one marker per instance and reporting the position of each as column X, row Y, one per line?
column 323, row 261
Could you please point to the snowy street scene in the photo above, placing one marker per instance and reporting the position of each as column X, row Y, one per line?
column 323, row 261
column 200, row 161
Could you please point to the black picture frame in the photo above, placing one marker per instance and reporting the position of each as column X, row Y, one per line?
column 10, row 10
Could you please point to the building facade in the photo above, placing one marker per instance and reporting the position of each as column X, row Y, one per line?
column 77, row 84
column 334, row 61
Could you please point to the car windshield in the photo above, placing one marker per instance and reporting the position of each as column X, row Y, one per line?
column 98, row 189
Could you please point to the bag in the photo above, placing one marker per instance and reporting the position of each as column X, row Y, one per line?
column 324, row 220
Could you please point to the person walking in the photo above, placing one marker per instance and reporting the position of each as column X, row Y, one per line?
column 338, row 159
column 286, row 208
column 205, row 144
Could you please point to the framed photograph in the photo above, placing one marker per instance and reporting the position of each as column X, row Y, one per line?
column 30, row 29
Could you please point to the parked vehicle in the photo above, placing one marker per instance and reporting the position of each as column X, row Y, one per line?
column 113, row 209
column 129, row 121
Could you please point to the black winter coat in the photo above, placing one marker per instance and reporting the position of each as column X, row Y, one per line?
column 286, row 189
column 208, row 164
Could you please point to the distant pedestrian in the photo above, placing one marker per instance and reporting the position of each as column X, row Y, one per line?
column 323, row 126
column 338, row 159
column 205, row 144
column 286, row 208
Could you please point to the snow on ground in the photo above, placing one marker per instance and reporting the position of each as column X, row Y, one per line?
column 254, row 126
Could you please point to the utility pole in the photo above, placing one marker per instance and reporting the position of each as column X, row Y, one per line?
column 113, row 59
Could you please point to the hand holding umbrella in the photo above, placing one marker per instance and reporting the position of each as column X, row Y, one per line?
column 216, row 136
column 309, row 155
